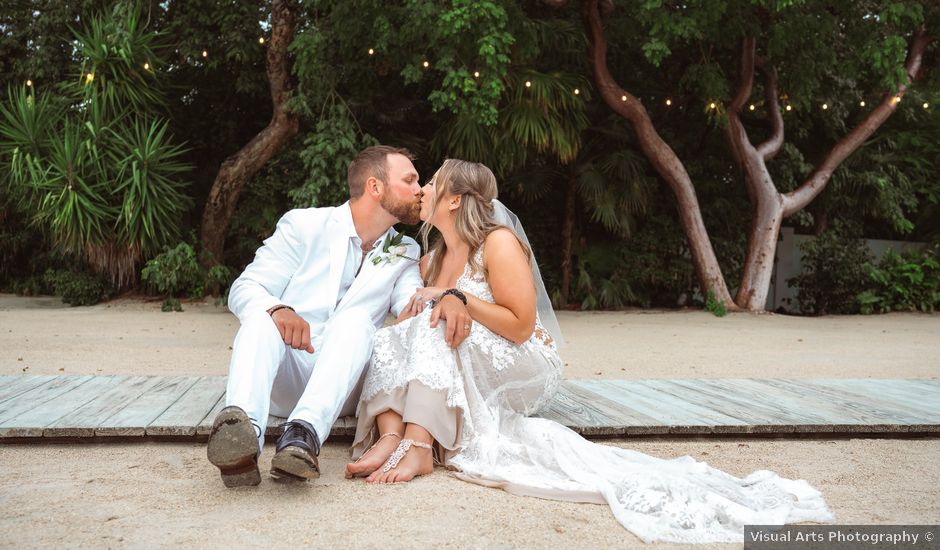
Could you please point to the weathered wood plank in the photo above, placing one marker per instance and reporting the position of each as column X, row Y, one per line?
column 31, row 399
column 11, row 386
column 133, row 419
column 884, row 412
column 919, row 400
column 182, row 417
column 83, row 421
column 588, row 413
column 204, row 427
column 679, row 416
column 31, row 422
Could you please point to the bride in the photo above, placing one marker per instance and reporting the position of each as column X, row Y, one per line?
column 469, row 407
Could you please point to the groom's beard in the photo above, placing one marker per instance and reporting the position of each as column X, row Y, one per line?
column 407, row 212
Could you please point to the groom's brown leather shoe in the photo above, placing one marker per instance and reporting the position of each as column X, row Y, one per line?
column 233, row 448
column 296, row 455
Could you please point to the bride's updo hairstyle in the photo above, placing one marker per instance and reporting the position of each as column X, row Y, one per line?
column 476, row 185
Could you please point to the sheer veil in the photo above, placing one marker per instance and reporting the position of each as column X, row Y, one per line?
column 505, row 216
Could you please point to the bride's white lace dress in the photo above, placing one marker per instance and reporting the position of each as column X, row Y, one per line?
column 476, row 401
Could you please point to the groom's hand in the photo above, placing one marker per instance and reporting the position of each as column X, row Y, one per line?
column 457, row 318
column 294, row 330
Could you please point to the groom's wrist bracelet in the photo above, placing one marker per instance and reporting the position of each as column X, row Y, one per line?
column 454, row 292
column 279, row 307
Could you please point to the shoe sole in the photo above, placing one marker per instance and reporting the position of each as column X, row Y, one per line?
column 233, row 448
column 294, row 464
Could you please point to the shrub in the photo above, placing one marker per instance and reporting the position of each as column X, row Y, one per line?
column 835, row 270
column 903, row 282
column 77, row 288
column 176, row 272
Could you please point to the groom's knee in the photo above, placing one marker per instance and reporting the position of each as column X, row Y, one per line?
column 353, row 323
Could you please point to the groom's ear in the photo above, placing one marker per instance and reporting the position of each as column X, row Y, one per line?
column 373, row 186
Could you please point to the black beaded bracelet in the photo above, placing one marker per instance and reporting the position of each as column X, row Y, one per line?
column 280, row 307
column 454, row 292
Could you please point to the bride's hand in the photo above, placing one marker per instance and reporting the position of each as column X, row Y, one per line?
column 419, row 301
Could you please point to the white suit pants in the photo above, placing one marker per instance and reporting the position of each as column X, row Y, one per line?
column 268, row 377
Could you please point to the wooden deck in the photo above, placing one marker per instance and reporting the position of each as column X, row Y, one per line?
column 35, row 407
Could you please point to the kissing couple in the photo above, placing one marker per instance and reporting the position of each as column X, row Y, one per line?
column 472, row 355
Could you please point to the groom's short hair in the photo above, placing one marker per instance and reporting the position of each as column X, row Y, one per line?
column 371, row 161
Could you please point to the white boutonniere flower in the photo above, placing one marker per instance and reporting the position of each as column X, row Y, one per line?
column 392, row 251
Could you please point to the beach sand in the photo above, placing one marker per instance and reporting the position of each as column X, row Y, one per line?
column 167, row 494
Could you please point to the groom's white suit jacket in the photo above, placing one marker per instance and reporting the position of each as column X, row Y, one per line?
column 301, row 265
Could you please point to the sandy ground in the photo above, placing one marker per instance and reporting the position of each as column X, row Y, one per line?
column 167, row 494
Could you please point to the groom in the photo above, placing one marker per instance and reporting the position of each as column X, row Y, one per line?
column 309, row 306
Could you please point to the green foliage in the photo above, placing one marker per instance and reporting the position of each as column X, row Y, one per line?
column 77, row 288
column 835, row 271
column 90, row 163
column 176, row 272
column 903, row 282
column 715, row 307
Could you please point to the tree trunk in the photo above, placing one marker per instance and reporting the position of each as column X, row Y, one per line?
column 664, row 160
column 567, row 232
column 240, row 167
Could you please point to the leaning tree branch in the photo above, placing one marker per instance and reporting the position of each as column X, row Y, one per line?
column 661, row 156
column 237, row 169
column 796, row 200
column 771, row 147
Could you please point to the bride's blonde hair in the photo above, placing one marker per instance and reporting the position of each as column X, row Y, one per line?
column 476, row 185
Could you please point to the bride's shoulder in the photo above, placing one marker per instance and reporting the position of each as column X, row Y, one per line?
column 500, row 243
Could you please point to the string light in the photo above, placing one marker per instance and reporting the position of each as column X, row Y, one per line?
column 205, row 53
column 146, row 66
column 89, row 77
column 896, row 100
column 752, row 107
column 789, row 108
column 861, row 103
column 426, row 64
column 623, row 98
column 926, row 105
column 476, row 74
column 577, row 91
column 668, row 102
column 29, row 84
column 712, row 105
column 825, row 106
column 261, row 40
column 371, row 51
column 528, row 84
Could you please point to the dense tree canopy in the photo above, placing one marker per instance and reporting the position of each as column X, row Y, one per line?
column 511, row 84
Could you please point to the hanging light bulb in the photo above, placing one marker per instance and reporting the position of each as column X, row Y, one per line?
column 861, row 103
column 623, row 98
column 205, row 53
column 712, row 105
column 896, row 100
column 146, row 66
column 825, row 106
column 668, row 102
column 789, row 108
column 371, row 51
column 89, row 77
column 261, row 40
column 926, row 105
column 577, row 91
column 476, row 74
column 29, row 84
column 528, row 84
column 751, row 107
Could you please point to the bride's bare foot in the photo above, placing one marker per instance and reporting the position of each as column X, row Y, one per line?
column 417, row 461
column 375, row 457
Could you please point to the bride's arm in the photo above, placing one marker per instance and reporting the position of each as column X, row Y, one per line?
column 510, row 278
